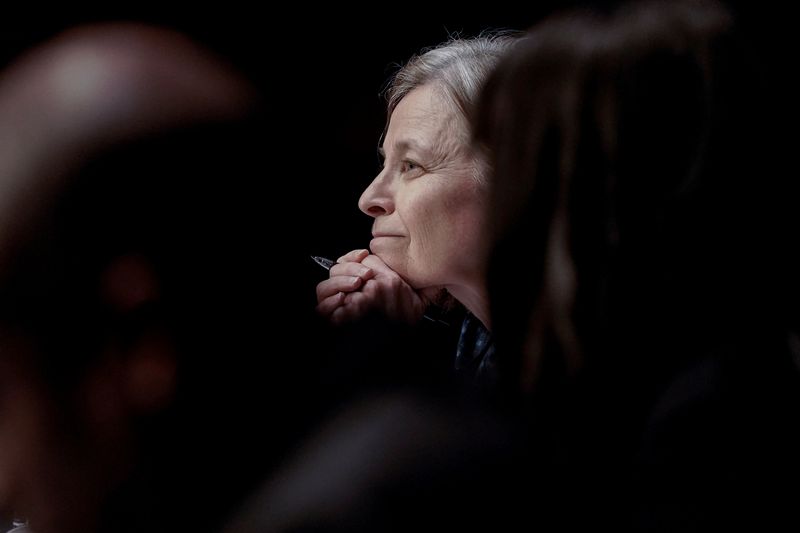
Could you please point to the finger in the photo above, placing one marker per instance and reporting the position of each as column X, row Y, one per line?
column 376, row 263
column 354, row 306
column 355, row 256
column 327, row 306
column 331, row 286
column 352, row 269
column 392, row 296
column 343, row 314
column 356, row 300
column 338, row 316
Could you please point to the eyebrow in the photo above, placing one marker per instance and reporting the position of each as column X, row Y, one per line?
column 405, row 144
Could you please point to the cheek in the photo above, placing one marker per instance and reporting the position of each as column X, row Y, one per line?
column 427, row 224
column 460, row 241
column 447, row 234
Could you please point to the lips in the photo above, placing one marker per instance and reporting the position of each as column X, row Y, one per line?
column 377, row 234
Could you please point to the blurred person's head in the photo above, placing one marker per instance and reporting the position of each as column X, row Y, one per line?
column 124, row 155
column 429, row 199
column 619, row 148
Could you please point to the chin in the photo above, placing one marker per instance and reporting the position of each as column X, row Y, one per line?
column 394, row 260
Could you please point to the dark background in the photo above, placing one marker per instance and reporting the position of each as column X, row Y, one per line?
column 321, row 71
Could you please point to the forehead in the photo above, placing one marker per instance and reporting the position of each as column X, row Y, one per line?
column 423, row 116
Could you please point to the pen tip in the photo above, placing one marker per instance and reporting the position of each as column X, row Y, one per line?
column 323, row 262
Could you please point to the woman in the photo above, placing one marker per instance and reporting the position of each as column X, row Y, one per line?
column 633, row 298
column 113, row 138
column 428, row 202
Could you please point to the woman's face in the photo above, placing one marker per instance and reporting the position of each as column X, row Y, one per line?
column 427, row 202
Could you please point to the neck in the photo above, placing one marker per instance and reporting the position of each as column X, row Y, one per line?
column 475, row 298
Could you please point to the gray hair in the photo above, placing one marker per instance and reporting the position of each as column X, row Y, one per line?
column 458, row 67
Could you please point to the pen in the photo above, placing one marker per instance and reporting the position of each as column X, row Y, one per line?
column 326, row 263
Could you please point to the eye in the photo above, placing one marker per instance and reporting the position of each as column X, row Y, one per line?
column 408, row 166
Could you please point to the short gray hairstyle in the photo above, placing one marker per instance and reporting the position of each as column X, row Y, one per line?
column 459, row 67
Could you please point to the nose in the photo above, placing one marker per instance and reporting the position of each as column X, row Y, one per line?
column 376, row 200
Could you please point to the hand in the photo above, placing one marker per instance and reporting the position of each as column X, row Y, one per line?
column 347, row 275
column 384, row 292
